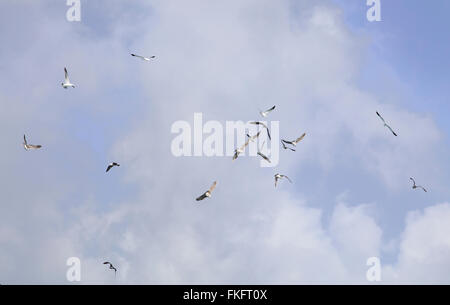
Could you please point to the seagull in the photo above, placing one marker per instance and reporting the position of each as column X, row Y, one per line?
column 241, row 149
column 279, row 176
column 66, row 83
column 386, row 125
column 286, row 147
column 111, row 267
column 208, row 192
column 29, row 146
column 295, row 142
column 111, row 165
column 264, row 125
column 263, row 155
column 417, row 186
column 143, row 58
column 266, row 113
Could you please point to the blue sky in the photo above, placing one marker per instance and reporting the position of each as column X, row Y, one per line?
column 321, row 62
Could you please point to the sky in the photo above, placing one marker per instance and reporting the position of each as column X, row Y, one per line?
column 325, row 67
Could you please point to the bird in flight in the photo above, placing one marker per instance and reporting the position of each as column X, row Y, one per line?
column 286, row 147
column 417, row 186
column 66, row 83
column 386, row 125
column 111, row 165
column 111, row 267
column 266, row 113
column 263, row 155
column 242, row 148
column 208, row 192
column 143, row 58
column 29, row 146
column 279, row 176
column 264, row 125
column 294, row 142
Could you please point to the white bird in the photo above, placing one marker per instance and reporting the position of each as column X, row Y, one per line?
column 111, row 165
column 208, row 192
column 143, row 58
column 417, row 186
column 66, row 83
column 264, row 125
column 386, row 125
column 295, row 142
column 266, row 113
column 279, row 176
column 29, row 146
column 263, row 155
column 241, row 149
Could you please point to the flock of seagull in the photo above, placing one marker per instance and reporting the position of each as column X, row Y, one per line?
column 287, row 145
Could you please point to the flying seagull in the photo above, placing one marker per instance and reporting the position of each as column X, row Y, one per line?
column 264, row 125
column 143, row 58
column 29, row 146
column 241, row 149
column 279, row 176
column 286, row 147
column 417, row 186
column 294, row 142
column 208, row 192
column 266, row 113
column 66, row 83
column 111, row 267
column 386, row 125
column 111, row 165
column 263, row 155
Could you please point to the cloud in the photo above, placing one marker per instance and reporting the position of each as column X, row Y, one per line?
column 226, row 61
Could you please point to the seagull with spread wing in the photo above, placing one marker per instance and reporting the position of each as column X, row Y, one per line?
column 266, row 113
column 279, row 176
column 111, row 267
column 207, row 193
column 294, row 142
column 263, row 125
column 111, row 165
column 142, row 57
column 386, row 125
column 29, row 146
column 417, row 186
column 66, row 84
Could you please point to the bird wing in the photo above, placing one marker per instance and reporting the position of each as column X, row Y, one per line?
column 213, row 186
column 34, row 146
column 106, row 263
column 269, row 110
column 300, row 138
column 414, row 181
column 203, row 196
column 66, row 75
column 391, row 130
column 276, row 180
column 286, row 178
column 264, row 156
column 422, row 188
column 109, row 167
column 25, row 139
column 381, row 117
